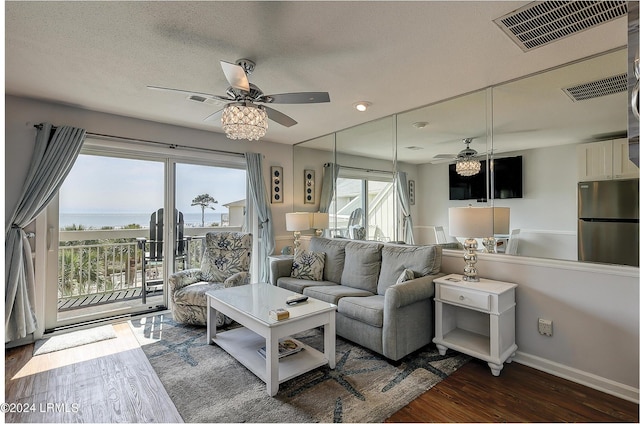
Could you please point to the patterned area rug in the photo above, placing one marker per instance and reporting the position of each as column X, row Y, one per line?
column 208, row 385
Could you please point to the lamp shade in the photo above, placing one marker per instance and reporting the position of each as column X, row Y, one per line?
column 471, row 222
column 320, row 220
column 298, row 221
column 501, row 220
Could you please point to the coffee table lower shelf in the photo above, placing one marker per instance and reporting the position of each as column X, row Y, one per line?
column 243, row 345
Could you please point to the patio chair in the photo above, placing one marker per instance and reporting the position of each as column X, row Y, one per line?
column 225, row 263
column 153, row 251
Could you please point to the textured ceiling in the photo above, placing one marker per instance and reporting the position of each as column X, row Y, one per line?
column 397, row 55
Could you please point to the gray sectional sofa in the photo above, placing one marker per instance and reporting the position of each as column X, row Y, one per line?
column 384, row 292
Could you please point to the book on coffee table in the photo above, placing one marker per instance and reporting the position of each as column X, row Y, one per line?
column 285, row 348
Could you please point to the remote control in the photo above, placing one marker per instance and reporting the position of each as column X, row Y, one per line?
column 296, row 299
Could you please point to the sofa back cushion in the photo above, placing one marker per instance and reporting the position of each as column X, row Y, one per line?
column 334, row 256
column 362, row 265
column 225, row 254
column 422, row 260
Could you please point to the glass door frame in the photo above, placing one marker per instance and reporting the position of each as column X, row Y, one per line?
column 48, row 223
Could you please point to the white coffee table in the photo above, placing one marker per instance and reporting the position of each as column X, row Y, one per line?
column 249, row 305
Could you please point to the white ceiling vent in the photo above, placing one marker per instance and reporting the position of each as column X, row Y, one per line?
column 599, row 88
column 543, row 22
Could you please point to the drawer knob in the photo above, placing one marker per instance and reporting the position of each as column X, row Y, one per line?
column 461, row 297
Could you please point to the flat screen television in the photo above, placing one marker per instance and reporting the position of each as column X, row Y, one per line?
column 507, row 179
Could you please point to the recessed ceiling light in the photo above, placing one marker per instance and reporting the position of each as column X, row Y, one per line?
column 420, row 125
column 362, row 106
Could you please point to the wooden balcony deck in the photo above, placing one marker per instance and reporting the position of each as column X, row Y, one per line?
column 95, row 299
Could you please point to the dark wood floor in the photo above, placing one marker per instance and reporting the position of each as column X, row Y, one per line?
column 520, row 394
column 112, row 381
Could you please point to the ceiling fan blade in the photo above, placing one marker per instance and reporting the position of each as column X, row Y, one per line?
column 235, row 75
column 280, row 117
column 191, row 93
column 215, row 117
column 296, row 98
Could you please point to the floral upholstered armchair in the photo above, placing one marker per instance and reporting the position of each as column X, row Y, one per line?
column 225, row 263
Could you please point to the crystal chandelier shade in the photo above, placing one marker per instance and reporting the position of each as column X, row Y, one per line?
column 467, row 163
column 468, row 167
column 244, row 121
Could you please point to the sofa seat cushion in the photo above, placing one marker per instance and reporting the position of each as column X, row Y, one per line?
column 195, row 294
column 362, row 265
column 364, row 309
column 334, row 293
column 422, row 260
column 334, row 256
column 297, row 285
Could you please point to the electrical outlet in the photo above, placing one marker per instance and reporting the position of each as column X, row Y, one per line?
column 545, row 327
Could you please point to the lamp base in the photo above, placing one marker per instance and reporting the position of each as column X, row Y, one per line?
column 470, row 260
column 296, row 242
column 489, row 244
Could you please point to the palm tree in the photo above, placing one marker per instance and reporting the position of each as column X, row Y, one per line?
column 204, row 201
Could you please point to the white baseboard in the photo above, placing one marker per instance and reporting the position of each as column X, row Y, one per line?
column 614, row 388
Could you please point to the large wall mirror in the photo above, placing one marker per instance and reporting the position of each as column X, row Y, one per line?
column 542, row 118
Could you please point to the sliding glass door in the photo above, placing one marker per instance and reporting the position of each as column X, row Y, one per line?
column 124, row 221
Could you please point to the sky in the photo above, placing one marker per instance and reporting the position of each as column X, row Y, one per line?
column 115, row 185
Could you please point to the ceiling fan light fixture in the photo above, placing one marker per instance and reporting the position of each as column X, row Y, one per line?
column 467, row 167
column 244, row 121
column 467, row 163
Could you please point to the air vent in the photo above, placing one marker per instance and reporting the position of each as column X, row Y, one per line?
column 543, row 22
column 599, row 88
column 199, row 99
column 414, row 148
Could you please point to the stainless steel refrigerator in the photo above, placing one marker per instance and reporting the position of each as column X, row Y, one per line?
column 608, row 222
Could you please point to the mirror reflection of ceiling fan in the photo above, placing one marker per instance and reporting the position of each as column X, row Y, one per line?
column 242, row 92
column 467, row 152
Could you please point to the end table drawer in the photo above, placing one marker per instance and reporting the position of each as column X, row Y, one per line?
column 464, row 297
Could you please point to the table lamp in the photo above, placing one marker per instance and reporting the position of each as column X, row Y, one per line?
column 471, row 223
column 320, row 222
column 296, row 222
column 500, row 226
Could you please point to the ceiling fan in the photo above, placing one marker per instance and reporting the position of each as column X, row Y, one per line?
column 467, row 152
column 243, row 92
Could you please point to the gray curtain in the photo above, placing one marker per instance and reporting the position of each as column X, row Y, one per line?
column 329, row 178
column 54, row 154
column 261, row 200
column 403, row 199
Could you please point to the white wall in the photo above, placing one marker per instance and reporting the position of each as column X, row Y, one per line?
column 547, row 213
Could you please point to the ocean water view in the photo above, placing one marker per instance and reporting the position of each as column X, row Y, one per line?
column 119, row 220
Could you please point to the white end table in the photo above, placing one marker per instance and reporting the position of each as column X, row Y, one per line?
column 476, row 318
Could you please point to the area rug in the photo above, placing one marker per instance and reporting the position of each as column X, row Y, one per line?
column 73, row 339
column 208, row 385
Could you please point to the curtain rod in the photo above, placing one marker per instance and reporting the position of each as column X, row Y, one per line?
column 159, row 143
column 362, row 169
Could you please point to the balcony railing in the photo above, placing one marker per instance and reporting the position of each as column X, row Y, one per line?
column 105, row 262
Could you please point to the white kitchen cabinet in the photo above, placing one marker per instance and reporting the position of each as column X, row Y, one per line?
column 605, row 160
